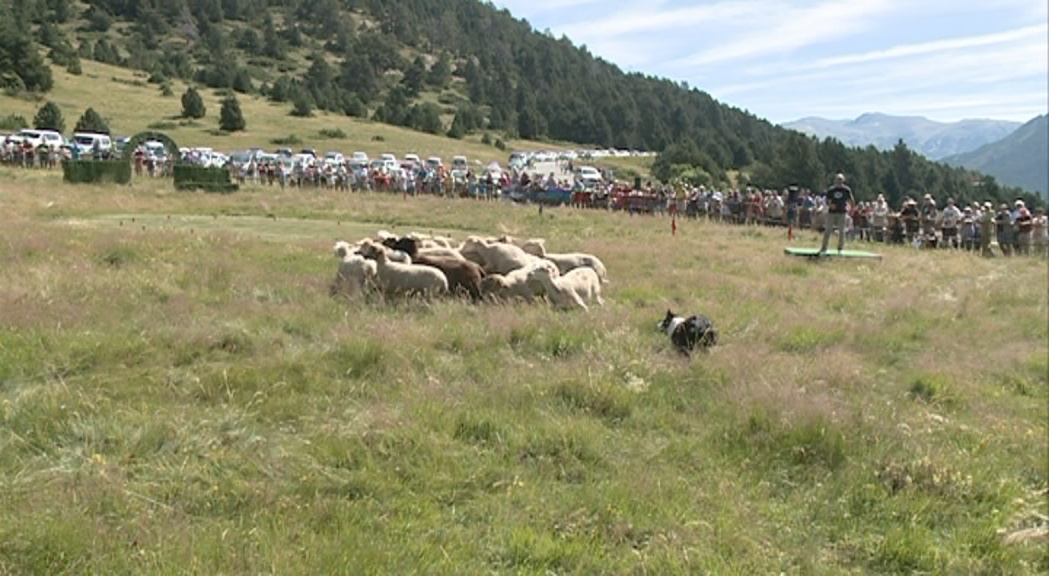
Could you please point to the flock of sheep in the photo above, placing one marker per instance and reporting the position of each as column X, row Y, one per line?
column 494, row 269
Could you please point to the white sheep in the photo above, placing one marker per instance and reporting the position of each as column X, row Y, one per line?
column 442, row 252
column 355, row 271
column 567, row 262
column 431, row 241
column 517, row 283
column 396, row 278
column 495, row 257
column 533, row 246
column 571, row 290
column 366, row 246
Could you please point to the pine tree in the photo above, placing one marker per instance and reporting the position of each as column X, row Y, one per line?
column 230, row 117
column 303, row 107
column 415, row 77
column 441, row 72
column 21, row 67
column 49, row 117
column 426, row 118
column 193, row 104
column 91, row 121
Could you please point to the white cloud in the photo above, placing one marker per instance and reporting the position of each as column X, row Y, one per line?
column 952, row 74
column 540, row 6
column 647, row 18
column 1040, row 30
column 784, row 59
column 796, row 27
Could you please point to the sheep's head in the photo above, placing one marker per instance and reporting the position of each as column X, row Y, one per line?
column 540, row 273
column 535, row 247
column 492, row 282
column 408, row 245
column 370, row 249
column 343, row 248
column 547, row 265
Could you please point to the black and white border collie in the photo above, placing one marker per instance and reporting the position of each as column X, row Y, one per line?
column 686, row 333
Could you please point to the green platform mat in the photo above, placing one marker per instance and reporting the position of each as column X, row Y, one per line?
column 814, row 252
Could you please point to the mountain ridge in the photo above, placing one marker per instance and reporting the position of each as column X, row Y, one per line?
column 1020, row 159
column 931, row 138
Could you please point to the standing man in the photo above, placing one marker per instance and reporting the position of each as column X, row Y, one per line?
column 792, row 209
column 839, row 197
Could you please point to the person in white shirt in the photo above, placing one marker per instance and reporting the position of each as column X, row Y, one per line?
column 1040, row 233
column 880, row 218
column 949, row 219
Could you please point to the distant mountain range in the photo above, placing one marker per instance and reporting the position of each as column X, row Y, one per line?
column 1020, row 159
column 934, row 140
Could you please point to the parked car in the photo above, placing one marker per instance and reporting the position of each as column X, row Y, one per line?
column 333, row 157
column 85, row 142
column 155, row 150
column 38, row 137
column 413, row 158
column 517, row 160
column 588, row 175
column 120, row 142
column 434, row 163
column 360, row 157
column 460, row 164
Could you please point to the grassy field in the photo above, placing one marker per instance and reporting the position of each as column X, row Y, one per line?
column 130, row 105
column 179, row 394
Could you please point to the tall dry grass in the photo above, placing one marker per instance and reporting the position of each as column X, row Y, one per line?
column 179, row 393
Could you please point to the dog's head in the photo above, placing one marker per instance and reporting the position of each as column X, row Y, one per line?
column 667, row 324
column 709, row 338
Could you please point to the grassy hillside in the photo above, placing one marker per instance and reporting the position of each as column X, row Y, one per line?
column 131, row 105
column 178, row 393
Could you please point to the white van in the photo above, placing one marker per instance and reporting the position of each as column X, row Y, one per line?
column 85, row 142
column 38, row 137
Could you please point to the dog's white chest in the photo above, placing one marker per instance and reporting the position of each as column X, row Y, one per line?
column 677, row 321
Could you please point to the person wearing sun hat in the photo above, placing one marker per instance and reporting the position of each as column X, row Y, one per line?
column 910, row 217
column 1014, row 213
column 986, row 229
column 1040, row 232
column 1003, row 230
column 949, row 219
column 929, row 214
column 1023, row 224
column 969, row 230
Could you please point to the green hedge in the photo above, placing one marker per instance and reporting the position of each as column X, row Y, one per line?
column 94, row 171
column 190, row 177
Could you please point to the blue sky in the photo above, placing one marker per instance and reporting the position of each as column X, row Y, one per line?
column 787, row 59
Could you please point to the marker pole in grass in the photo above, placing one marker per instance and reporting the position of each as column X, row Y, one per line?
column 673, row 225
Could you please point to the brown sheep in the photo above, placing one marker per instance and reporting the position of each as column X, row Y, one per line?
column 463, row 275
